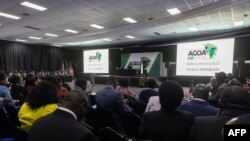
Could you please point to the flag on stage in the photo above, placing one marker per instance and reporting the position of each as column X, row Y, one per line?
column 71, row 71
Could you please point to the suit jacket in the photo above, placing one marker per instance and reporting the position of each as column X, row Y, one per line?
column 165, row 125
column 112, row 100
column 59, row 126
column 198, row 108
column 146, row 94
column 210, row 128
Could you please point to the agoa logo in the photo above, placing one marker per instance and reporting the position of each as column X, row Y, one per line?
column 211, row 49
column 209, row 52
column 97, row 57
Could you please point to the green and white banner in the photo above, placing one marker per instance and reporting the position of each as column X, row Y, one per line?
column 153, row 62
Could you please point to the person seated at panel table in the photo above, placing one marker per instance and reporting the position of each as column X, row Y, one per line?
column 129, row 67
column 41, row 102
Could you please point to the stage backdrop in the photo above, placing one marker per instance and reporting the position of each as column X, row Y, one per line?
column 153, row 62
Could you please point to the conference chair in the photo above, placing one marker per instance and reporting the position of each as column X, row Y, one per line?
column 13, row 114
column 19, row 135
column 109, row 134
column 5, row 124
column 131, row 123
column 100, row 118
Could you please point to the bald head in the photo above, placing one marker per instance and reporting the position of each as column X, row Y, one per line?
column 76, row 101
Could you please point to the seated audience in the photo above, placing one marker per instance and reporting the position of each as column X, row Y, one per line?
column 168, row 123
column 112, row 100
column 198, row 105
column 153, row 104
column 123, row 88
column 5, row 96
column 41, row 102
column 234, row 101
column 17, row 91
column 221, row 85
column 212, row 85
column 62, row 124
column 30, row 83
column 81, row 84
column 146, row 94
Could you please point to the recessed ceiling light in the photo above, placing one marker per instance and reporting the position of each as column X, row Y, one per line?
column 36, row 38
column 96, row 26
column 52, row 35
column 130, row 20
column 71, row 31
column 106, row 39
column 174, row 11
column 20, row 40
column 9, row 16
column 129, row 36
column 239, row 23
column 57, row 45
column 34, row 6
column 193, row 29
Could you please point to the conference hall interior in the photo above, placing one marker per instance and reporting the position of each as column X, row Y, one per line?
column 124, row 70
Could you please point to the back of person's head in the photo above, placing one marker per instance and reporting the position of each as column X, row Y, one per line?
column 212, row 81
column 112, row 81
column 201, row 91
column 30, row 81
column 65, row 85
column 2, row 76
column 221, row 78
column 53, row 79
column 124, row 82
column 171, row 95
column 76, row 101
column 14, row 79
column 82, row 83
column 151, row 83
column 235, row 97
column 43, row 94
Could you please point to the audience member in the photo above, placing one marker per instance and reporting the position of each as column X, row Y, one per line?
column 122, row 87
column 113, row 100
column 5, row 96
column 212, row 85
column 168, row 123
column 81, row 84
column 234, row 101
column 17, row 91
column 62, row 124
column 221, row 84
column 147, row 93
column 198, row 105
column 41, row 102
column 30, row 83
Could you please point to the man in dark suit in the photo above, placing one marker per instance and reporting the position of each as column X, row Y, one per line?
column 62, row 125
column 112, row 100
column 147, row 93
column 198, row 105
column 234, row 101
column 167, row 124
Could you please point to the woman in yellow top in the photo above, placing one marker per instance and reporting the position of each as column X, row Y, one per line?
column 41, row 102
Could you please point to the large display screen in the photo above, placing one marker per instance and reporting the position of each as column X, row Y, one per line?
column 205, row 58
column 96, row 61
